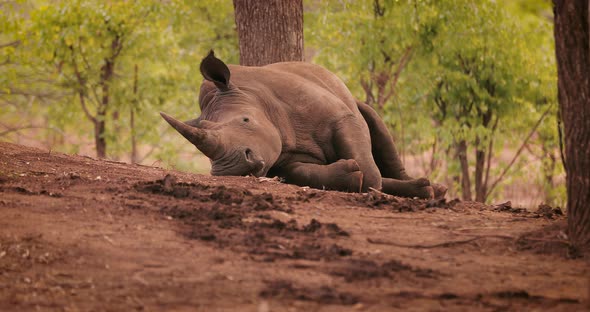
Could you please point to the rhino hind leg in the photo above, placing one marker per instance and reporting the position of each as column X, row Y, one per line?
column 343, row 175
column 389, row 164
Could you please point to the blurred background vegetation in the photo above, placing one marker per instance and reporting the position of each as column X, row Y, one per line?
column 467, row 87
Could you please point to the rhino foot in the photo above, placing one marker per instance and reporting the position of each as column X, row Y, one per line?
column 427, row 190
column 420, row 188
column 439, row 190
column 423, row 188
column 347, row 175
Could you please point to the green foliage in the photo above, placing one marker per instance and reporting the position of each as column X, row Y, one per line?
column 371, row 37
column 480, row 71
column 155, row 48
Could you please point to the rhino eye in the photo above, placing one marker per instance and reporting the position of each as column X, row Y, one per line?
column 246, row 119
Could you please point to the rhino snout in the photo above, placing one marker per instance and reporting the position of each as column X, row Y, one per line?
column 244, row 162
column 257, row 163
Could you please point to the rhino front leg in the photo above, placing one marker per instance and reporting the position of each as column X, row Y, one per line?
column 343, row 175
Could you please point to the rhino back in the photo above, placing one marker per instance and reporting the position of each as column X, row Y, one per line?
column 320, row 77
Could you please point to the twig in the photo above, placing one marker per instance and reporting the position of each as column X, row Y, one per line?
column 485, row 235
column 531, row 239
column 532, row 152
column 544, row 240
column 387, row 217
column 465, row 241
column 379, row 192
column 420, row 246
column 443, row 244
column 108, row 239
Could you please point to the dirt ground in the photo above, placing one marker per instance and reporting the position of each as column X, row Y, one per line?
column 79, row 234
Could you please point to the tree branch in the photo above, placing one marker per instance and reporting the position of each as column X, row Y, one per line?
column 80, row 93
column 518, row 152
column 10, row 44
column 401, row 64
column 367, row 86
column 88, row 68
column 489, row 160
column 10, row 129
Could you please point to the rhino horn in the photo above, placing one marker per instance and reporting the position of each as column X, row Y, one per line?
column 206, row 141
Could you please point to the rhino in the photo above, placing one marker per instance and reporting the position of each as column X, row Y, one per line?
column 297, row 121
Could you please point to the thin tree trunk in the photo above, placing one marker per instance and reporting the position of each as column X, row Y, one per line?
column 433, row 157
column 480, row 158
column 132, row 118
column 489, row 160
column 548, row 174
column 461, row 154
column 269, row 31
column 107, row 72
column 572, row 47
column 99, row 131
column 100, row 125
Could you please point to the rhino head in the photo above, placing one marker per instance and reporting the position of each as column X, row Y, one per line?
column 233, row 131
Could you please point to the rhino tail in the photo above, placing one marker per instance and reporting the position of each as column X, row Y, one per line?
column 382, row 146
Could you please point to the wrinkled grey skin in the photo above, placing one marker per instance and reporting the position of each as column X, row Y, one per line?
column 298, row 121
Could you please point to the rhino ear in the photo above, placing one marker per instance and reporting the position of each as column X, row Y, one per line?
column 214, row 70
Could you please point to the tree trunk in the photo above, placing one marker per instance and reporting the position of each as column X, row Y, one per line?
column 107, row 72
column 99, row 139
column 480, row 156
column 461, row 154
column 480, row 187
column 100, row 125
column 573, row 68
column 269, row 31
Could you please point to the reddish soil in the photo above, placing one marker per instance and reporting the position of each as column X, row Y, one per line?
column 83, row 234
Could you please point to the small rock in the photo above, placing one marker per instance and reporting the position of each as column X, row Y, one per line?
column 264, row 306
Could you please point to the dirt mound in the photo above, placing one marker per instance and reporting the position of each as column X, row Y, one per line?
column 83, row 234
